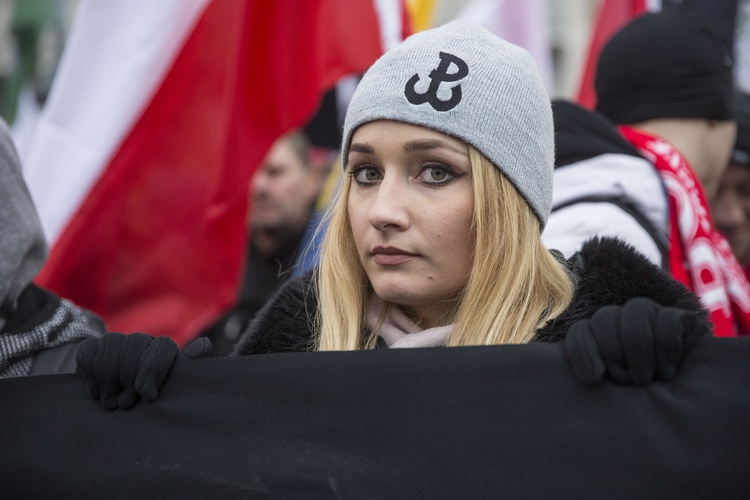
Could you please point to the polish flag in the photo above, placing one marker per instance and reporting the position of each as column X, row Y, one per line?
column 140, row 161
column 612, row 15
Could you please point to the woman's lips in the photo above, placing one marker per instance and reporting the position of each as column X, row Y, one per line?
column 388, row 256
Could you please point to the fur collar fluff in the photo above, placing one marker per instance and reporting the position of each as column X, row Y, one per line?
column 607, row 271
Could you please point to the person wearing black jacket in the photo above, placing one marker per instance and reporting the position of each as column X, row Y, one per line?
column 664, row 84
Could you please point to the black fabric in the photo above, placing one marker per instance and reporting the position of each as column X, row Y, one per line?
column 35, row 306
column 607, row 272
column 324, row 128
column 668, row 64
column 720, row 14
column 476, row 422
column 55, row 360
column 581, row 134
column 262, row 277
column 634, row 344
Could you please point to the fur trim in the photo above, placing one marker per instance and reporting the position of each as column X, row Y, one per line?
column 284, row 324
column 607, row 272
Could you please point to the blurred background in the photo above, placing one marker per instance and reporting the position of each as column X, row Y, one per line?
column 557, row 32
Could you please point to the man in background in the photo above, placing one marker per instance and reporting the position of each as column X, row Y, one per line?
column 664, row 84
column 731, row 209
column 282, row 195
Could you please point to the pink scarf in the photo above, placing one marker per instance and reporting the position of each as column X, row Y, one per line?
column 400, row 332
column 699, row 256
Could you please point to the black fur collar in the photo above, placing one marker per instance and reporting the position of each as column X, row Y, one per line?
column 607, row 272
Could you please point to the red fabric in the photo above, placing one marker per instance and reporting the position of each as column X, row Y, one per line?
column 612, row 15
column 699, row 256
column 158, row 243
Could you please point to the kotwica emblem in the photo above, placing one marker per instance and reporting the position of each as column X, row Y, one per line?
column 437, row 77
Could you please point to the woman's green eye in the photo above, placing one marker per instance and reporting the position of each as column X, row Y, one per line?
column 366, row 175
column 438, row 174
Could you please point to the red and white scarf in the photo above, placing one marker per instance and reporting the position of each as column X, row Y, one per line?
column 699, row 256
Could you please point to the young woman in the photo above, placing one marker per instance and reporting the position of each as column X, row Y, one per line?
column 435, row 238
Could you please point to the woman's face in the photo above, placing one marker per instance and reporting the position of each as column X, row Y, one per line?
column 410, row 208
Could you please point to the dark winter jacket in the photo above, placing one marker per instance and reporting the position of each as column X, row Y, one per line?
column 606, row 272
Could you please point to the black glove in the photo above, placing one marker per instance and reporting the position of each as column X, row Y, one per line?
column 633, row 344
column 119, row 368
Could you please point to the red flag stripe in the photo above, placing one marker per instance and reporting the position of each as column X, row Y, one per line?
column 157, row 244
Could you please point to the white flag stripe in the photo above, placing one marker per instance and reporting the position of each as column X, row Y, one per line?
column 391, row 24
column 115, row 58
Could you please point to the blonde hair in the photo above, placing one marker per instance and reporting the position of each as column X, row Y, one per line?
column 514, row 288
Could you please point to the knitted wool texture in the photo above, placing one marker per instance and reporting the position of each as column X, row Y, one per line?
column 462, row 80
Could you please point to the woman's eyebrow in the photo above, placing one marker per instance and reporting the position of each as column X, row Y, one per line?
column 361, row 148
column 414, row 146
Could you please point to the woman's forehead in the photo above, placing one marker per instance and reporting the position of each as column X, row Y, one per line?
column 390, row 130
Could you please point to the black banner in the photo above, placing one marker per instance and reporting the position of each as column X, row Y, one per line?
column 500, row 422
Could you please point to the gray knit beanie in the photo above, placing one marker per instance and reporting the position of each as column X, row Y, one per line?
column 462, row 80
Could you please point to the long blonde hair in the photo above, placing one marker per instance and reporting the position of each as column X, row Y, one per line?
column 514, row 288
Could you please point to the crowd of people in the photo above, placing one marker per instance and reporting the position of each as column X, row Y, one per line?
column 473, row 211
column 633, row 186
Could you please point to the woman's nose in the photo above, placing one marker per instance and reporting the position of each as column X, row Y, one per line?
column 389, row 210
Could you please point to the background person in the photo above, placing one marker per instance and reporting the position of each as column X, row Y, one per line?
column 666, row 80
column 282, row 196
column 39, row 331
column 731, row 209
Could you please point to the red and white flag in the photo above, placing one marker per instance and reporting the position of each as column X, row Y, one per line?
column 612, row 15
column 160, row 111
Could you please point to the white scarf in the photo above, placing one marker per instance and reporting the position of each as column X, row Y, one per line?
column 400, row 332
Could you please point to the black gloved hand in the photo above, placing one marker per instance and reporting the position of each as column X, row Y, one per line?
column 119, row 368
column 633, row 344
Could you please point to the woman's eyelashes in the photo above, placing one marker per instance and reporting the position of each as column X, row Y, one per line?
column 437, row 174
column 433, row 174
column 365, row 175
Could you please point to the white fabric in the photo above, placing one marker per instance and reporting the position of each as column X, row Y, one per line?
column 624, row 177
column 390, row 22
column 115, row 58
column 572, row 226
column 400, row 332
